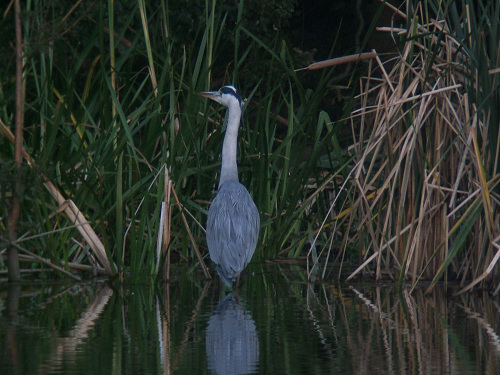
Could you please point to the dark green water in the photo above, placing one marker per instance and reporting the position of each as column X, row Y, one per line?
column 275, row 324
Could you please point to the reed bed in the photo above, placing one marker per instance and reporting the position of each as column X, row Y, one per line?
column 117, row 143
column 116, row 139
column 425, row 178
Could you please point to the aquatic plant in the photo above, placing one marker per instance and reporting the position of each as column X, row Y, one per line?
column 390, row 171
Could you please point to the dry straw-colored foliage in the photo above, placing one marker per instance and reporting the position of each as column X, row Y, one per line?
column 425, row 205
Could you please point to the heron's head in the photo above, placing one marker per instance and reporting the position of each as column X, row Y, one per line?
column 227, row 95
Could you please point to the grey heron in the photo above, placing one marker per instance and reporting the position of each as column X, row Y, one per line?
column 233, row 219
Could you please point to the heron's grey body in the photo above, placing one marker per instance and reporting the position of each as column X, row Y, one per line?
column 233, row 219
column 232, row 230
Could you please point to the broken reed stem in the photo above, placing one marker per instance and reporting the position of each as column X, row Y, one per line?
column 159, row 238
column 69, row 207
column 164, row 228
column 44, row 261
column 167, row 224
column 339, row 61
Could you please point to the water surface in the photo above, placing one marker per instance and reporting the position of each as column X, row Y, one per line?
column 274, row 323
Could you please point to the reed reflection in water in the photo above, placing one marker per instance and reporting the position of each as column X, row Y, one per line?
column 272, row 326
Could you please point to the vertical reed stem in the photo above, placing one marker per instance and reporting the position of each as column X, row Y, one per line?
column 13, row 257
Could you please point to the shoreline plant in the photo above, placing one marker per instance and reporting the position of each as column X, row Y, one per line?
column 115, row 125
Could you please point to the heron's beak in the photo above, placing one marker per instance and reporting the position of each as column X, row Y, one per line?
column 214, row 95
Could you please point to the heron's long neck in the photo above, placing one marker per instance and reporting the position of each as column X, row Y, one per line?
column 229, row 170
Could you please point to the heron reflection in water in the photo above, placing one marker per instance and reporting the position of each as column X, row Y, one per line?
column 233, row 220
column 232, row 345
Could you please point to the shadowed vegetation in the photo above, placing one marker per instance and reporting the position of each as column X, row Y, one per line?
column 393, row 169
column 424, row 183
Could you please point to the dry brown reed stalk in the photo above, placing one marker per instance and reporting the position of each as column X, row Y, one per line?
column 339, row 60
column 167, row 225
column 12, row 255
column 68, row 207
column 47, row 262
column 419, row 177
column 164, row 228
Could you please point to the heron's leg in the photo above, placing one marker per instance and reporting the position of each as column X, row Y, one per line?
column 224, row 289
column 238, row 281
